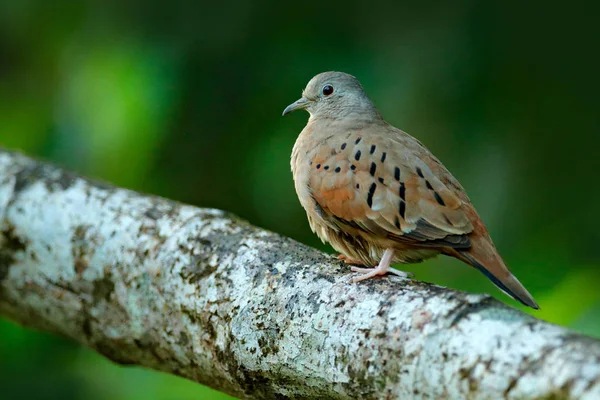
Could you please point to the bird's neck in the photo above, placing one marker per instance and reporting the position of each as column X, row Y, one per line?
column 357, row 109
column 348, row 120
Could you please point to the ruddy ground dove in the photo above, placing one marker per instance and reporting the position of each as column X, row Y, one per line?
column 377, row 195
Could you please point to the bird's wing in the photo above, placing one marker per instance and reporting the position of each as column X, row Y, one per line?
column 388, row 190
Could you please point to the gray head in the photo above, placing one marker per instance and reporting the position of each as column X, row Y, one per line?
column 334, row 95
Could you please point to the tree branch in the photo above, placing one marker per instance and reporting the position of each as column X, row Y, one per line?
column 201, row 294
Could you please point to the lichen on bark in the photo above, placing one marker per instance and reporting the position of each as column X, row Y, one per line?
column 202, row 294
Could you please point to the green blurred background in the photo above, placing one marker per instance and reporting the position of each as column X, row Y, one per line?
column 184, row 99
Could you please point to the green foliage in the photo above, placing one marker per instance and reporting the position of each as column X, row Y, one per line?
column 184, row 99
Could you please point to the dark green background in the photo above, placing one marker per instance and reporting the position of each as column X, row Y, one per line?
column 183, row 99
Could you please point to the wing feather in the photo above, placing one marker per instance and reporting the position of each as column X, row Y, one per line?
column 401, row 196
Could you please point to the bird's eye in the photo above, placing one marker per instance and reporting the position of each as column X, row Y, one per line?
column 327, row 90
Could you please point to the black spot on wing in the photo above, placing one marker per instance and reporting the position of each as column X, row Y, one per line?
column 402, row 191
column 420, row 172
column 397, row 173
column 383, row 155
column 373, row 147
column 343, row 146
column 428, row 185
column 373, row 169
column 397, row 222
column 447, row 220
column 357, row 155
column 358, row 140
column 338, row 169
column 371, row 193
column 402, row 209
column 439, row 199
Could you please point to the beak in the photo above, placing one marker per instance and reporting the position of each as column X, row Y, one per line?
column 297, row 105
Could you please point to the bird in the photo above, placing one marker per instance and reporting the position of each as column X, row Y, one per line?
column 377, row 195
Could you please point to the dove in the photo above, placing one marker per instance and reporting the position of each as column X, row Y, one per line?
column 378, row 195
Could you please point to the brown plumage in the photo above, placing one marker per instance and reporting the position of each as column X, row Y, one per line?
column 377, row 195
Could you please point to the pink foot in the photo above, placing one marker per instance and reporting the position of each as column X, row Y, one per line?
column 382, row 269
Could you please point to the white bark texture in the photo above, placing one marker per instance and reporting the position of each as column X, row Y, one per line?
column 201, row 294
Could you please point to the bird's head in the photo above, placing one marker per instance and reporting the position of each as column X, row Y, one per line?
column 333, row 95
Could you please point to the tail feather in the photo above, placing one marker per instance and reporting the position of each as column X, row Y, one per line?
column 504, row 280
column 482, row 254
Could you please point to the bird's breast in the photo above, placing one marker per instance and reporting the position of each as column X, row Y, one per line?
column 302, row 154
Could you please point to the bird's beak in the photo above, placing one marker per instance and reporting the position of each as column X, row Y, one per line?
column 297, row 105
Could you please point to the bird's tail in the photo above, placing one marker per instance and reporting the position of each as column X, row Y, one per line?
column 485, row 258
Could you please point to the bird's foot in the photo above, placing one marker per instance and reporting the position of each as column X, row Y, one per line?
column 382, row 269
column 349, row 260
column 371, row 272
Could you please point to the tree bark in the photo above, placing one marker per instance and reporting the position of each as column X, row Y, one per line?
column 204, row 295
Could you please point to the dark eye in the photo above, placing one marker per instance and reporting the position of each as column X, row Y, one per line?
column 327, row 90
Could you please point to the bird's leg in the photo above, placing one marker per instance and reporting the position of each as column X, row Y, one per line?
column 349, row 260
column 382, row 269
